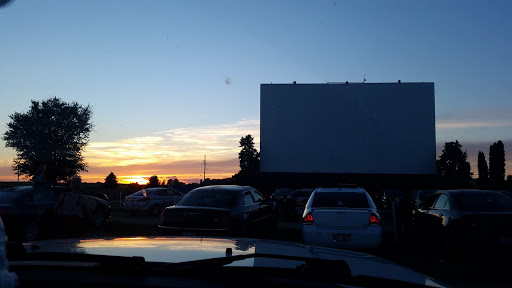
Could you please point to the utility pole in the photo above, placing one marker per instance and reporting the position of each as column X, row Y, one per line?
column 204, row 168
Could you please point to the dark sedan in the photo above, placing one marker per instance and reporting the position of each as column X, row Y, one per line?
column 462, row 221
column 218, row 208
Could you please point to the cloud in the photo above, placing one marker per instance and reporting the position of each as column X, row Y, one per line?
column 447, row 124
column 218, row 142
column 173, row 152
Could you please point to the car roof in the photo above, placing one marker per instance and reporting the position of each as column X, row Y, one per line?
column 340, row 189
column 461, row 191
column 234, row 188
column 18, row 189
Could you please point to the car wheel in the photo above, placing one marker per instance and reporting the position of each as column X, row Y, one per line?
column 30, row 230
column 98, row 218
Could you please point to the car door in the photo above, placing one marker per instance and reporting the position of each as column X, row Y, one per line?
column 250, row 208
column 437, row 215
column 164, row 198
column 263, row 210
column 176, row 196
column 421, row 215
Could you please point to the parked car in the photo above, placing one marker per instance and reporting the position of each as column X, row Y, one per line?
column 458, row 221
column 341, row 217
column 198, row 262
column 94, row 193
column 151, row 200
column 218, row 208
column 28, row 211
column 296, row 201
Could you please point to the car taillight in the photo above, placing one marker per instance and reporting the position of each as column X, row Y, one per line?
column 308, row 219
column 374, row 220
column 144, row 199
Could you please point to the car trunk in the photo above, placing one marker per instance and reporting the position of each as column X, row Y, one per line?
column 330, row 218
column 197, row 218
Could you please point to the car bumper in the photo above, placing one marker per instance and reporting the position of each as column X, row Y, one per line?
column 346, row 239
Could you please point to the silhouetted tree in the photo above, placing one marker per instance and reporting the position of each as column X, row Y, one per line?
column 111, row 180
column 453, row 167
column 249, row 162
column 174, row 182
column 153, row 181
column 483, row 169
column 49, row 140
column 497, row 163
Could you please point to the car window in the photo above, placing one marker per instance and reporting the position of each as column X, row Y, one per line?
column 173, row 192
column 248, row 200
column 164, row 192
column 257, row 196
column 485, row 201
column 441, row 201
column 429, row 201
column 342, row 199
column 209, row 198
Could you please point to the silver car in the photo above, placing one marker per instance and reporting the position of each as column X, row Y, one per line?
column 151, row 200
column 341, row 217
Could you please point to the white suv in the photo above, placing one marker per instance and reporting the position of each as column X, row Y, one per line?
column 342, row 217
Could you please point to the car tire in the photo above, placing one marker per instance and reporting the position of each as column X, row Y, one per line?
column 30, row 230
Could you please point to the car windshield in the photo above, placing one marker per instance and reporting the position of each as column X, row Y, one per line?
column 483, row 202
column 209, row 198
column 340, row 200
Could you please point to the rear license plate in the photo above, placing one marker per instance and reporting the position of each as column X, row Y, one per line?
column 187, row 233
column 342, row 238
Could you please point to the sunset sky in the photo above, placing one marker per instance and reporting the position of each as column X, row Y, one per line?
column 170, row 82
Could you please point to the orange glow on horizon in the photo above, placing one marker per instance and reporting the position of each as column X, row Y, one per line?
column 133, row 179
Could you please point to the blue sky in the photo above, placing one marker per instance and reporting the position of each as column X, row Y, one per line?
column 172, row 81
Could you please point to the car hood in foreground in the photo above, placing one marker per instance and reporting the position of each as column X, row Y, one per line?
column 182, row 249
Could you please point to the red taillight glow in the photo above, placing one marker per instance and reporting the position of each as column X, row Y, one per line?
column 308, row 219
column 374, row 220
